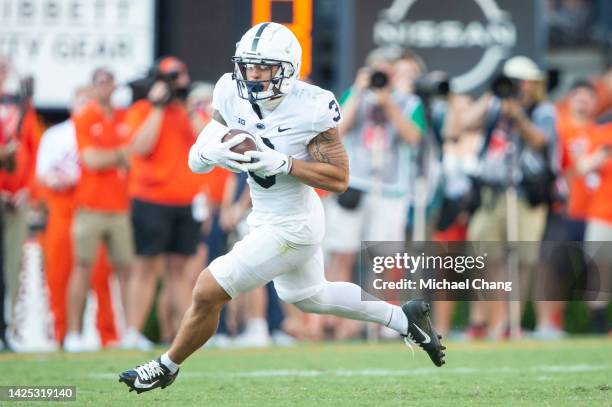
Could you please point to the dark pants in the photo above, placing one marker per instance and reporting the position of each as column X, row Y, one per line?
column 275, row 312
column 2, row 286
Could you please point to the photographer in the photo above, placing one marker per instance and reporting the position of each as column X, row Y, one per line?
column 162, row 191
column 18, row 145
column 382, row 126
column 518, row 152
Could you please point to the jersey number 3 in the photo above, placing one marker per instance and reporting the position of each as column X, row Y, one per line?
column 333, row 105
column 264, row 182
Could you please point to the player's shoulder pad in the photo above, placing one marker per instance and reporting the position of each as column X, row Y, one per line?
column 323, row 104
column 309, row 93
column 223, row 90
column 225, row 80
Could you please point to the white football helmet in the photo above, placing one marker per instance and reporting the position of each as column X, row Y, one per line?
column 269, row 44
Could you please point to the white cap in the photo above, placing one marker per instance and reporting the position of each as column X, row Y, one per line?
column 523, row 68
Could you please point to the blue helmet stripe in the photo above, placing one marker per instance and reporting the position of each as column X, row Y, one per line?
column 257, row 36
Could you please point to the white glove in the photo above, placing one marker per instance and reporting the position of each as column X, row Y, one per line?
column 267, row 161
column 219, row 153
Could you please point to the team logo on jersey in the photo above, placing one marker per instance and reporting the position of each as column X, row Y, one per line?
column 260, row 126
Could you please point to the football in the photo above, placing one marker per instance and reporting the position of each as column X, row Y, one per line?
column 247, row 145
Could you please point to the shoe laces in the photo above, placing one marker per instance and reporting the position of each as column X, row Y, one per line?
column 409, row 340
column 150, row 370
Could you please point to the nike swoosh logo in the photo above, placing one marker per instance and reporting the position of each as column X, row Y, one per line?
column 281, row 130
column 144, row 385
column 427, row 337
column 281, row 166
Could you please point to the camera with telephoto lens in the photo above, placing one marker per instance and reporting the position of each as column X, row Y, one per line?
column 174, row 91
column 142, row 87
column 432, row 84
column 504, row 87
column 379, row 80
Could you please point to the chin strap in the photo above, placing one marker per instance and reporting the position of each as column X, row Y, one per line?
column 252, row 88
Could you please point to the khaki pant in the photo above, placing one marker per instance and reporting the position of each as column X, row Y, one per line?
column 15, row 233
column 489, row 224
column 114, row 229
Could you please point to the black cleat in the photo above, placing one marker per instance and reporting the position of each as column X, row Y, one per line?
column 421, row 332
column 147, row 377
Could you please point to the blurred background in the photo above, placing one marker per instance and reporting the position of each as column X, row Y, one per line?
column 504, row 136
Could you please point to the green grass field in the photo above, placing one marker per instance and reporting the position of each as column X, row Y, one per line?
column 576, row 372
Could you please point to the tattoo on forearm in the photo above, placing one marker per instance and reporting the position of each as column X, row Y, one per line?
column 217, row 116
column 327, row 148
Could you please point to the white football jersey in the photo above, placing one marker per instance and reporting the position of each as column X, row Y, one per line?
column 282, row 200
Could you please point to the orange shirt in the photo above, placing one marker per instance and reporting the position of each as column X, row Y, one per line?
column 163, row 176
column 576, row 140
column 106, row 189
column 2, row 141
column 601, row 202
column 214, row 184
column 23, row 175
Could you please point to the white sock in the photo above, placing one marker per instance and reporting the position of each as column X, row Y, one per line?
column 398, row 321
column 73, row 333
column 349, row 301
column 257, row 326
column 166, row 361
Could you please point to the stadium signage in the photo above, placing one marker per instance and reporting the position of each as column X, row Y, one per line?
column 420, row 26
column 60, row 42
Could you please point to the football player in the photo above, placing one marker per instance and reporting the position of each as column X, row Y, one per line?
column 295, row 125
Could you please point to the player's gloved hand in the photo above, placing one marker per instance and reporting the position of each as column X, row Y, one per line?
column 217, row 152
column 267, row 161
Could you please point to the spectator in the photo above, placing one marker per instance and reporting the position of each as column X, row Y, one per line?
column 382, row 126
column 603, row 88
column 99, row 217
column 21, row 133
column 162, row 191
column 3, row 342
column 597, row 165
column 566, row 222
column 519, row 144
column 58, row 171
